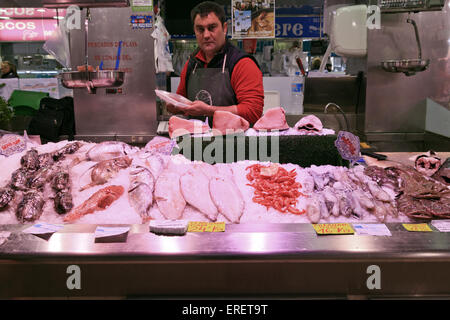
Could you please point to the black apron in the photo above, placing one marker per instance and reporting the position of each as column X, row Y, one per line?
column 212, row 86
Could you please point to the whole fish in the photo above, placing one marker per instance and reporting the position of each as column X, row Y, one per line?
column 30, row 161
column 61, row 180
column 63, row 201
column 69, row 148
column 19, row 179
column 110, row 149
column 313, row 210
column 107, row 169
column 46, row 160
column 168, row 195
column 100, row 200
column 30, row 208
column 227, row 198
column 140, row 192
column 6, row 196
column 42, row 176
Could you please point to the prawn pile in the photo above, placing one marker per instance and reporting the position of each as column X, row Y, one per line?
column 275, row 187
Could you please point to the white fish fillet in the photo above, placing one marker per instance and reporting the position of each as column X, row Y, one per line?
column 195, row 190
column 227, row 198
column 208, row 169
column 168, row 195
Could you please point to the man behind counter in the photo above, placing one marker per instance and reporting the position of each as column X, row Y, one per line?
column 217, row 72
column 8, row 70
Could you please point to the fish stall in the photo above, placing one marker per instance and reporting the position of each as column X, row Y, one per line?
column 228, row 210
column 149, row 222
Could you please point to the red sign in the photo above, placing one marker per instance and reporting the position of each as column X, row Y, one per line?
column 25, row 13
column 27, row 29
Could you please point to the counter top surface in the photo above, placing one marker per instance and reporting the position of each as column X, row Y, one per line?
column 244, row 240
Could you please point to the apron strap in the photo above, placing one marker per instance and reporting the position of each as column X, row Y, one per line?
column 223, row 66
column 195, row 67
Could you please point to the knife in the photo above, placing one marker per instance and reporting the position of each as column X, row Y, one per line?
column 374, row 155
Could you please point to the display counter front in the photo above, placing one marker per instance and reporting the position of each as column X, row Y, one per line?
column 247, row 260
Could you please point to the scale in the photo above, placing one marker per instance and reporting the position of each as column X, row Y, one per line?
column 409, row 66
column 91, row 80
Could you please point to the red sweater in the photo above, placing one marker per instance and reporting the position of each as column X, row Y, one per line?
column 247, row 84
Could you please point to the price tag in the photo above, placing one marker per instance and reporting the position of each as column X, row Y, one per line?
column 441, row 225
column 372, row 229
column 101, row 232
column 417, row 227
column 3, row 236
column 333, row 228
column 12, row 143
column 43, row 228
column 196, row 226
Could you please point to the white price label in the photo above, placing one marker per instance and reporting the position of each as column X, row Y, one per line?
column 441, row 225
column 43, row 228
column 372, row 229
column 101, row 232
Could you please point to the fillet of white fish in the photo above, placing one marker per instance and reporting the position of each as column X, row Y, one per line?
column 195, row 190
column 168, row 195
column 227, row 198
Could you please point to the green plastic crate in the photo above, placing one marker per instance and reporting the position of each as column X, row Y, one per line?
column 26, row 103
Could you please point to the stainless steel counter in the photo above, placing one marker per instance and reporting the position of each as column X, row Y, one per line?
column 251, row 260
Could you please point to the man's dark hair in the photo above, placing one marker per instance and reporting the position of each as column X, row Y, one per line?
column 205, row 8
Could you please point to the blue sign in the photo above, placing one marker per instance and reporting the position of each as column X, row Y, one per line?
column 298, row 27
column 141, row 21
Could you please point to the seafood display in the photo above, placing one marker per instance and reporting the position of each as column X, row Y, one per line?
column 85, row 183
column 275, row 187
column 418, row 196
column 339, row 191
column 26, row 190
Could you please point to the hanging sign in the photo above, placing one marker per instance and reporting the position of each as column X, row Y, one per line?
column 251, row 19
column 16, row 30
column 26, row 13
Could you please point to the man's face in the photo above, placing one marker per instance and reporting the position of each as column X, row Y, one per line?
column 4, row 68
column 210, row 33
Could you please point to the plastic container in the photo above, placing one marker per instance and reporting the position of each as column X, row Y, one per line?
column 296, row 95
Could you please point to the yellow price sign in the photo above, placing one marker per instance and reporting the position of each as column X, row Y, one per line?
column 197, row 226
column 417, row 227
column 333, row 228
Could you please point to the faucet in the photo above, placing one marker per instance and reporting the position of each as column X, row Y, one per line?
column 339, row 108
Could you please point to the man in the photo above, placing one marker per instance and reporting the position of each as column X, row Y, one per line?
column 8, row 70
column 217, row 75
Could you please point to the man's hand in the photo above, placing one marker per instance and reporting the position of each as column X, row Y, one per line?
column 199, row 108
column 173, row 109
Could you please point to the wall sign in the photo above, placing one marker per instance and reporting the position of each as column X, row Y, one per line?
column 27, row 29
column 141, row 21
column 298, row 27
column 26, row 13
